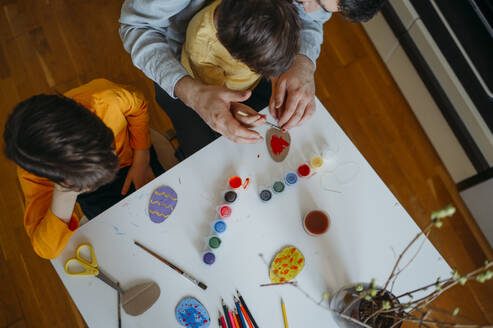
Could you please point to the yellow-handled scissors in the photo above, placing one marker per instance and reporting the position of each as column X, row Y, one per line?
column 89, row 268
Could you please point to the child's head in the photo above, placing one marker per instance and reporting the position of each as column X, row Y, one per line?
column 54, row 137
column 263, row 34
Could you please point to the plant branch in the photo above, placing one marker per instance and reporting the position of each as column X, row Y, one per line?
column 392, row 274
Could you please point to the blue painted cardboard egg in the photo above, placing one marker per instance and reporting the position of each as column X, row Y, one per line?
column 162, row 203
column 191, row 313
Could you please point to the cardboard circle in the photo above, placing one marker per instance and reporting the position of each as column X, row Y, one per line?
column 140, row 298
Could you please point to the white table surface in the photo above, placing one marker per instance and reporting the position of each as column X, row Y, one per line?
column 367, row 224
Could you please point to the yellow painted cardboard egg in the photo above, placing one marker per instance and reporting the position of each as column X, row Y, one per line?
column 287, row 264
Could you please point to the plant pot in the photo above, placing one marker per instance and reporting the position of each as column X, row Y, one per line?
column 346, row 300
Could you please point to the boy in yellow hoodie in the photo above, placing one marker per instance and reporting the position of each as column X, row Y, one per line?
column 90, row 146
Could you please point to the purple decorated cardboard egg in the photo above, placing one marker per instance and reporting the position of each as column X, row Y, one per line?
column 162, row 203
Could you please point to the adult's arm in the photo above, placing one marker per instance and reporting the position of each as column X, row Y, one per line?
column 144, row 27
column 293, row 93
column 145, row 32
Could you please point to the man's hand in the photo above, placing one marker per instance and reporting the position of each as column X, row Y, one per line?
column 213, row 104
column 140, row 172
column 293, row 94
column 247, row 116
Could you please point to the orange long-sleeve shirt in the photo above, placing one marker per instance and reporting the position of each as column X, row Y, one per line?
column 124, row 111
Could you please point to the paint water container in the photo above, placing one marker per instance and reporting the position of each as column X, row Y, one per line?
column 224, row 211
column 208, row 257
column 290, row 178
column 316, row 222
column 265, row 193
column 230, row 196
column 219, row 226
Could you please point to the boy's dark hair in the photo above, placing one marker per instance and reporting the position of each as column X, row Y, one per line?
column 359, row 10
column 263, row 34
column 54, row 137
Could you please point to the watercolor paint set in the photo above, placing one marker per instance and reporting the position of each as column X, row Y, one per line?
column 224, row 211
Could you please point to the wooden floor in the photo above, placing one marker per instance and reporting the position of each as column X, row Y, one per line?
column 54, row 45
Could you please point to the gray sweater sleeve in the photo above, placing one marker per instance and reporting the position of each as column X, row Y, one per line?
column 144, row 30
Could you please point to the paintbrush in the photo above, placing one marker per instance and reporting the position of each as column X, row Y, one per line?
column 172, row 266
column 266, row 122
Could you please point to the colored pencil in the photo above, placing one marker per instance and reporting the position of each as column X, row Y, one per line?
column 238, row 307
column 225, row 308
column 232, row 319
column 237, row 319
column 247, row 319
column 246, row 309
column 119, row 308
column 222, row 323
column 284, row 314
column 172, row 266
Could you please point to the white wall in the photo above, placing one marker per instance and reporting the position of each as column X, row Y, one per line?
column 479, row 200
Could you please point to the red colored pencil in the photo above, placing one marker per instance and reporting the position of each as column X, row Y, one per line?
column 221, row 321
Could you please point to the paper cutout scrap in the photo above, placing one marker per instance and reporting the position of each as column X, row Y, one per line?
column 278, row 144
column 162, row 203
column 140, row 298
column 191, row 313
column 286, row 265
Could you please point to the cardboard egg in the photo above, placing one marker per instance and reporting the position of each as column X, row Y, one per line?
column 191, row 313
column 278, row 144
column 162, row 203
column 287, row 264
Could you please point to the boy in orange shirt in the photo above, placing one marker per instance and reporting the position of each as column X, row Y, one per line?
column 92, row 146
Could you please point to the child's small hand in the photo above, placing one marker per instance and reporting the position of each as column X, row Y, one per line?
column 247, row 116
column 140, row 172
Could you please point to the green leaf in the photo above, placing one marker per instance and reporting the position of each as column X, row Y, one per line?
column 447, row 211
column 438, row 223
column 373, row 292
column 359, row 287
column 456, row 311
column 462, row 281
column 368, row 297
column 372, row 283
column 455, row 275
column 385, row 305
